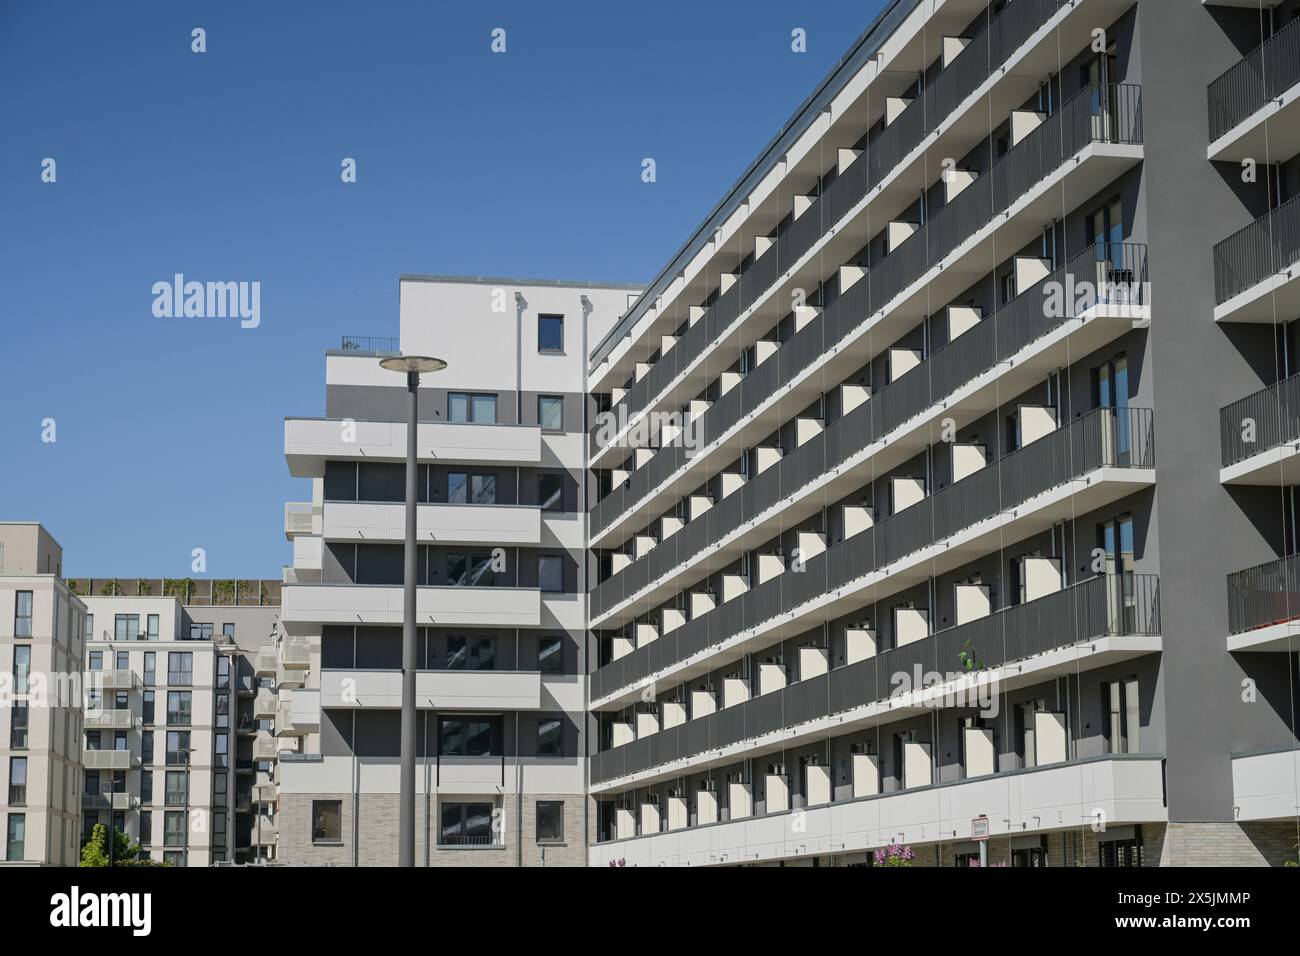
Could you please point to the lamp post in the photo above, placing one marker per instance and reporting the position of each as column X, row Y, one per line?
column 413, row 366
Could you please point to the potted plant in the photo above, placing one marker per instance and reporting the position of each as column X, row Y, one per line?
column 966, row 657
column 896, row 854
column 144, row 587
column 223, row 592
column 179, row 588
column 110, row 588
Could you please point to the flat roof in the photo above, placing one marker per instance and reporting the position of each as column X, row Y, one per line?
column 517, row 280
column 863, row 49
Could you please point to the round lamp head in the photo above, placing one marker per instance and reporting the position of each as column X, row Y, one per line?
column 412, row 363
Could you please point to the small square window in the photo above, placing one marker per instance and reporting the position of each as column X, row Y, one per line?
column 550, row 412
column 550, row 333
column 550, row 821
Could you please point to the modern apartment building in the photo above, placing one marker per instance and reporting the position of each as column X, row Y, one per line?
column 952, row 451
column 40, row 701
column 503, row 579
column 179, row 744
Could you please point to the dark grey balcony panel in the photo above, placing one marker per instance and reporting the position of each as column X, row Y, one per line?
column 1264, row 595
column 1256, row 252
column 1249, row 85
column 1275, row 414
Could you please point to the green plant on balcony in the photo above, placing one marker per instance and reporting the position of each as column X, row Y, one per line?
column 966, row 657
column 71, row 585
column 178, row 588
column 110, row 588
column 144, row 587
column 263, row 596
column 223, row 592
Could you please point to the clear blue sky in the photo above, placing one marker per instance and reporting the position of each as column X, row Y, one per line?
column 225, row 166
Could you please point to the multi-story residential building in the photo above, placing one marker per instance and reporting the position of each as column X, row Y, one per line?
column 40, row 701
column 502, row 582
column 177, row 740
column 899, row 563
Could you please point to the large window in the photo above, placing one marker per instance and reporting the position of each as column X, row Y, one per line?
column 550, row 572
column 550, row 655
column 179, row 706
column 17, row 781
column 178, row 748
column 201, row 632
column 465, row 824
column 550, row 821
column 471, row 653
column 550, row 737
column 469, row 570
column 16, row 836
column 23, row 614
column 469, row 736
column 327, row 821
column 174, row 828
column 471, row 489
column 126, row 627
column 180, row 668
column 178, row 788
column 550, row 333
column 550, row 492
column 478, row 407
column 550, row 412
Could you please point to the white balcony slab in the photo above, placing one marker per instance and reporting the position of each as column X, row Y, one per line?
column 306, row 604
column 1276, row 638
column 1263, row 785
column 310, row 442
column 442, row 523
column 440, row 690
column 1272, row 130
column 1269, row 467
column 1275, row 299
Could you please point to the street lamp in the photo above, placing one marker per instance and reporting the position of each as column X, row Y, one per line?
column 413, row 366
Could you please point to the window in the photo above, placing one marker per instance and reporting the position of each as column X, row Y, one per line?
column 16, row 836
column 469, row 736
column 126, row 627
column 23, row 614
column 223, row 711
column 94, row 740
column 22, row 667
column 228, row 630
column 550, row 572
column 219, row 789
column 178, row 788
column 96, row 661
column 550, row 821
column 146, row 827
column 550, row 333
column 173, row 858
column 174, row 828
column 550, row 655
column 88, row 625
column 178, row 746
column 327, row 821
column 179, row 704
column 471, row 653
column 468, row 489
column 465, row 570
column 200, row 632
column 146, row 786
column 122, row 661
column 550, row 737
column 223, row 672
column 1120, row 852
column 150, row 668
column 465, row 824
column 550, row 492
column 550, row 412
column 119, row 740
column 18, row 725
column 146, row 746
column 180, row 668
column 478, row 407
column 1119, row 701
column 151, row 627
column 17, row 781
column 221, row 750
column 146, row 707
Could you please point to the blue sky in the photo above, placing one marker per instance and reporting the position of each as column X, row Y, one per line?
column 225, row 166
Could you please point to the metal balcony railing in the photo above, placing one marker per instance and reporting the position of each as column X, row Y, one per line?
column 369, row 343
column 1264, row 74
column 1118, row 605
column 1118, row 268
column 1114, row 437
column 1254, row 253
column 1268, row 418
column 1109, row 113
column 1264, row 595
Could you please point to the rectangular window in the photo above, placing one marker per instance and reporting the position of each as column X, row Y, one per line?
column 550, row 821
column 471, row 653
column 179, row 704
column 550, row 737
column 221, row 750
column 174, row 828
column 550, row 655
column 150, row 667
column 126, row 627
column 180, row 668
column 200, row 632
column 550, row 492
column 550, row 572
column 18, row 725
column 550, row 412
column 1119, row 853
column 95, row 661
column 88, row 625
column 22, row 667
column 219, row 789
column 151, row 627
column 146, row 707
column 228, row 630
column 146, row 786
column 223, row 673
column 471, row 489
column 178, row 788
column 122, row 661
column 23, row 614
column 178, row 748
column 146, row 746
column 467, row 570
column 469, row 736
column 17, row 781
column 327, row 821
column 1122, row 715
column 146, row 827
column 550, row 333
column 465, row 824
column 477, row 407
column 16, row 837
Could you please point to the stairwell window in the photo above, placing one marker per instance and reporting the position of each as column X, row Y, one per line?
column 23, row 614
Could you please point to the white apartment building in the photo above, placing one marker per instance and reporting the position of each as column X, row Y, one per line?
column 41, row 625
column 501, row 606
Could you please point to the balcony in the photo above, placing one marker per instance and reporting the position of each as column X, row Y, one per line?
column 265, row 704
column 108, row 800
column 301, row 517
column 1270, row 418
column 1263, row 785
column 112, row 679
column 1064, row 160
column 1003, row 354
column 310, row 442
column 1264, row 607
column 1124, row 789
column 295, row 653
column 287, row 677
column 888, row 172
column 1253, row 106
column 263, row 832
column 110, row 720
column 382, row 604
column 1256, row 277
column 265, row 747
column 284, row 722
column 266, row 661
column 109, row 759
column 443, row 523
column 266, row 793
column 452, row 690
column 1097, row 458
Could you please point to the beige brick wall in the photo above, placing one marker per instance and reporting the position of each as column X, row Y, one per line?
column 1229, row 844
column 376, row 829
